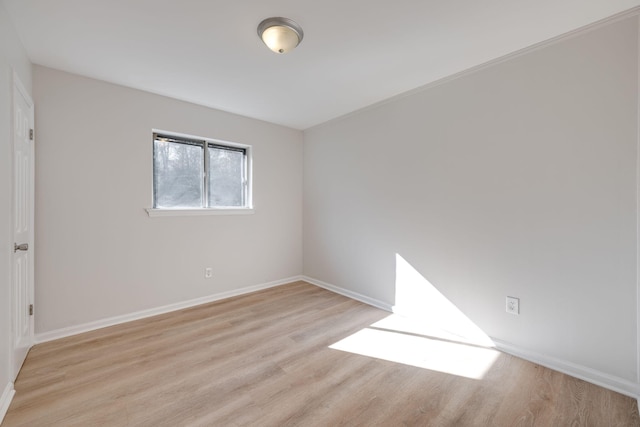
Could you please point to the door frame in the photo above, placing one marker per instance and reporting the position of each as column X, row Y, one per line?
column 18, row 89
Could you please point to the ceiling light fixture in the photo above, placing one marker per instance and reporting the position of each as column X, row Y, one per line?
column 281, row 35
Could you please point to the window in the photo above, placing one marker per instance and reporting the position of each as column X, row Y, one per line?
column 196, row 173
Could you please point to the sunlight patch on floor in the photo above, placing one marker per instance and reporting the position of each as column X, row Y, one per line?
column 426, row 331
column 420, row 351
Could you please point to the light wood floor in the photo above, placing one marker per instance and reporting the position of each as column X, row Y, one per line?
column 263, row 359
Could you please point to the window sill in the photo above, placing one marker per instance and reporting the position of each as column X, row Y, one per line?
column 199, row 212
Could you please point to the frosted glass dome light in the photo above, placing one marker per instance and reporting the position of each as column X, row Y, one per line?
column 281, row 35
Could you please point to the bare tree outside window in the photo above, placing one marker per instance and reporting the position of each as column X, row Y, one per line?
column 191, row 174
column 225, row 168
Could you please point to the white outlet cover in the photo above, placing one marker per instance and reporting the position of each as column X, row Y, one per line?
column 513, row 305
column 208, row 273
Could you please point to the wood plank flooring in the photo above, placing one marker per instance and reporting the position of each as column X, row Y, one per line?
column 263, row 359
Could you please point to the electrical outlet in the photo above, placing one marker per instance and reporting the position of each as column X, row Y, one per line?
column 208, row 273
column 513, row 305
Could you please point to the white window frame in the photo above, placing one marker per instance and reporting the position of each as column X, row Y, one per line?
column 248, row 209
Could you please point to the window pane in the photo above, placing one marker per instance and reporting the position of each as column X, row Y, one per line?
column 177, row 174
column 226, row 177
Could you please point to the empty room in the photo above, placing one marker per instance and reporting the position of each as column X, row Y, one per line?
column 286, row 213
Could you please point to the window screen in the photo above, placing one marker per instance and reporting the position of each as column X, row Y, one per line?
column 191, row 173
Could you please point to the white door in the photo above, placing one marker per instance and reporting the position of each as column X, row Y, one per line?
column 23, row 201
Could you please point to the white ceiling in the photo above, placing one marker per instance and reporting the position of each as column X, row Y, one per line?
column 354, row 53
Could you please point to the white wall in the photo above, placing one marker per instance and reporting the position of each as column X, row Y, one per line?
column 98, row 253
column 518, row 179
column 12, row 58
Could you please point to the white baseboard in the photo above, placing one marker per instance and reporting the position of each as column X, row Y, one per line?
column 349, row 294
column 116, row 320
column 611, row 382
column 620, row 385
column 5, row 400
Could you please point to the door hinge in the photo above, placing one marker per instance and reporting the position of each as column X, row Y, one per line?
column 31, row 134
column 30, row 309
